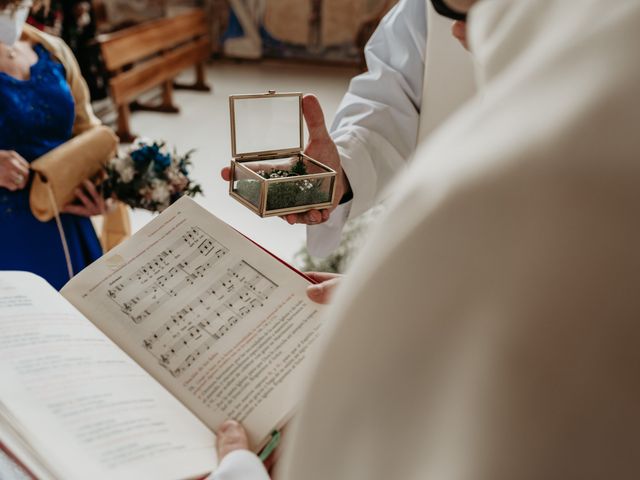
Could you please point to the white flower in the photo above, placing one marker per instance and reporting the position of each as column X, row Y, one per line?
column 127, row 174
column 305, row 185
column 116, row 163
column 123, row 165
column 161, row 192
column 177, row 181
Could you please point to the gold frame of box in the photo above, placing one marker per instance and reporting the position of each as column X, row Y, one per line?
column 239, row 159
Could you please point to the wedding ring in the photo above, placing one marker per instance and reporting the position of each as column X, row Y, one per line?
column 18, row 179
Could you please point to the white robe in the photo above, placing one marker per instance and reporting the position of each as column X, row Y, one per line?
column 489, row 330
column 391, row 107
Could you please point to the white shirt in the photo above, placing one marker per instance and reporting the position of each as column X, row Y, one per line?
column 387, row 109
column 494, row 333
column 376, row 127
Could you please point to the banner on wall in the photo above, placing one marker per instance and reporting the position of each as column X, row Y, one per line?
column 311, row 29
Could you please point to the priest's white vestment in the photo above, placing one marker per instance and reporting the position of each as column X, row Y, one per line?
column 406, row 93
column 490, row 328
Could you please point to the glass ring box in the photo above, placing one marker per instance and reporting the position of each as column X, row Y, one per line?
column 270, row 174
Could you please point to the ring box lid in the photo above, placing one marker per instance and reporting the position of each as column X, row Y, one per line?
column 266, row 125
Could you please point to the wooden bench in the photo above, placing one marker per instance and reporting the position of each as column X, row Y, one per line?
column 151, row 55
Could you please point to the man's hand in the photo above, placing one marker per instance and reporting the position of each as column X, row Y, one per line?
column 326, row 285
column 231, row 437
column 321, row 148
column 14, row 171
column 91, row 202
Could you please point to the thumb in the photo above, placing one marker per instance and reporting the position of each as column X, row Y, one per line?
column 322, row 293
column 314, row 117
column 231, row 437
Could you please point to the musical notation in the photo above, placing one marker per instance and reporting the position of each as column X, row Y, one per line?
column 219, row 293
column 182, row 264
column 208, row 317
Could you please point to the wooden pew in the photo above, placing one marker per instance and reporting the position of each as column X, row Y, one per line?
column 151, row 55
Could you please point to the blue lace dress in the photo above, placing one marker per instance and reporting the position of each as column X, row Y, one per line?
column 36, row 116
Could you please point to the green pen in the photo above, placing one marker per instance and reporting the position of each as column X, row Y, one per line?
column 271, row 446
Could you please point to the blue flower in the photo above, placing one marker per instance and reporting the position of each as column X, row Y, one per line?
column 162, row 161
column 144, row 155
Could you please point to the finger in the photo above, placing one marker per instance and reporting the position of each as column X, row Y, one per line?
column 226, row 174
column 292, row 219
column 20, row 159
column 323, row 292
column 76, row 210
column 19, row 178
column 231, row 437
column 91, row 189
column 17, row 175
column 25, row 181
column 312, row 217
column 320, row 277
column 83, row 198
column 11, row 186
column 19, row 167
column 314, row 118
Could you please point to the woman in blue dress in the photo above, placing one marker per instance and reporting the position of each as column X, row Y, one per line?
column 44, row 102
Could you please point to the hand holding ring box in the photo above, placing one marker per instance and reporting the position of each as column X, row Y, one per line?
column 270, row 174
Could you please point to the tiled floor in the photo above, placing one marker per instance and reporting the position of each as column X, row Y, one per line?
column 203, row 124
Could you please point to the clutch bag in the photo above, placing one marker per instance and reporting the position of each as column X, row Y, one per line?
column 62, row 170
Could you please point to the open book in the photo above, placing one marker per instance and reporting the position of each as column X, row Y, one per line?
column 128, row 373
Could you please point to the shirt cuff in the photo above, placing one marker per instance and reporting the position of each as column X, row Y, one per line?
column 358, row 166
column 240, row 465
column 324, row 239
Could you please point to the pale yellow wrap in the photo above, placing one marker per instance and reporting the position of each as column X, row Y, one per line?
column 66, row 167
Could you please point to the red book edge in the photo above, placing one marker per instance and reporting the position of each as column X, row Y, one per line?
column 290, row 267
column 17, row 461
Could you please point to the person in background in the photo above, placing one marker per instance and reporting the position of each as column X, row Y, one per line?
column 75, row 22
column 489, row 329
column 44, row 102
column 404, row 95
column 386, row 112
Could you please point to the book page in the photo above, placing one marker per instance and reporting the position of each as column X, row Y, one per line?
column 78, row 404
column 219, row 322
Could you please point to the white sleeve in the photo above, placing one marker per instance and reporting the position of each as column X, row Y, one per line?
column 376, row 127
column 240, row 465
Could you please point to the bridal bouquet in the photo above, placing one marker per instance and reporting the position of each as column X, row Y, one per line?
column 148, row 176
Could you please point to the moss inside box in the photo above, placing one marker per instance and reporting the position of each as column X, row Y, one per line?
column 294, row 193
